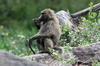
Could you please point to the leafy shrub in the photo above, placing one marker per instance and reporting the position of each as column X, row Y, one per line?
column 88, row 32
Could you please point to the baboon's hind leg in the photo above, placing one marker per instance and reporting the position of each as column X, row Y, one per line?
column 48, row 43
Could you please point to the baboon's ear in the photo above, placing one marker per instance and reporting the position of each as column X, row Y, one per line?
column 51, row 12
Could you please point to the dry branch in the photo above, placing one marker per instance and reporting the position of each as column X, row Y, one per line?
column 85, row 11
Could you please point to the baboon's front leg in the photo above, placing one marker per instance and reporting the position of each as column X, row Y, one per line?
column 34, row 38
column 29, row 44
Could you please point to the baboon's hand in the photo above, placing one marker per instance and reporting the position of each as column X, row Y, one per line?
column 29, row 42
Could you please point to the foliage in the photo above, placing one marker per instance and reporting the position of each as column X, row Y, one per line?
column 96, row 63
column 14, row 40
column 16, row 25
column 21, row 12
column 65, row 56
column 88, row 32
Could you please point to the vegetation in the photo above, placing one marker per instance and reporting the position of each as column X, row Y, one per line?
column 87, row 33
column 16, row 23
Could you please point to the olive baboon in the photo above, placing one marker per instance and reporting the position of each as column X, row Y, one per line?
column 49, row 33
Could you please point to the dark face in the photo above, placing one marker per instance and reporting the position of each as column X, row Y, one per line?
column 43, row 17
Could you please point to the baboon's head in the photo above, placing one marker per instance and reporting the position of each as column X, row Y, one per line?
column 46, row 14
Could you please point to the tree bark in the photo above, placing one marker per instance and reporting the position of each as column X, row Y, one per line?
column 87, row 53
column 8, row 59
column 83, row 54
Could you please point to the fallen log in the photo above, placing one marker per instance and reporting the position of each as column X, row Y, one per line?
column 87, row 53
column 83, row 54
column 74, row 19
column 8, row 59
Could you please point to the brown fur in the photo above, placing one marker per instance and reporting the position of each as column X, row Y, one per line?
column 49, row 32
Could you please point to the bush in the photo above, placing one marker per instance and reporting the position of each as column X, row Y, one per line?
column 88, row 32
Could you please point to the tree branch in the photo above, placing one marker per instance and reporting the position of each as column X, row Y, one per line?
column 65, row 18
column 85, row 11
